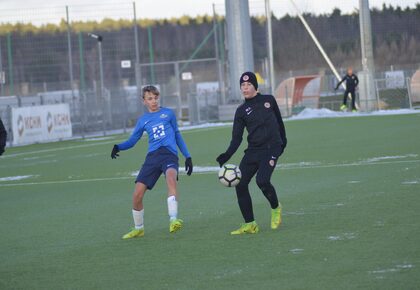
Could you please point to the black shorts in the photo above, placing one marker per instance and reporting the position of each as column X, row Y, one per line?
column 156, row 163
column 263, row 161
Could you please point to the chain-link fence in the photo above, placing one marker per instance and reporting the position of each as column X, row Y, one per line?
column 96, row 58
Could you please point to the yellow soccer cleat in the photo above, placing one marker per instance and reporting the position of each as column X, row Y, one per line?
column 343, row 107
column 276, row 217
column 248, row 228
column 175, row 225
column 135, row 233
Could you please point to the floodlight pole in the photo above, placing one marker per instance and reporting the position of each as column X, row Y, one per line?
column 69, row 51
column 99, row 38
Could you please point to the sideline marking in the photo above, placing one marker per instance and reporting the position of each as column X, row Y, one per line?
column 210, row 172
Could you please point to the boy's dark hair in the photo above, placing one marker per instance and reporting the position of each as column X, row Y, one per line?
column 150, row 89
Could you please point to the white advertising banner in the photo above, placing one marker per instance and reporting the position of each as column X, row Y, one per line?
column 41, row 123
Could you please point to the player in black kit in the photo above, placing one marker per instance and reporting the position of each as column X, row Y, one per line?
column 260, row 115
column 351, row 83
column 3, row 137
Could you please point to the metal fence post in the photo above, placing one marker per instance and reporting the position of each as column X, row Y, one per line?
column 137, row 68
column 270, row 47
column 178, row 90
column 287, row 100
column 377, row 93
column 408, row 84
column 219, row 63
column 151, row 55
column 10, row 61
column 69, row 51
column 1, row 72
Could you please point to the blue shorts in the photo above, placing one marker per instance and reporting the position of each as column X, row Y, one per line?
column 156, row 163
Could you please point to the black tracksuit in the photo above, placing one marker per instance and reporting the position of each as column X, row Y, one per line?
column 3, row 136
column 266, row 142
column 351, row 83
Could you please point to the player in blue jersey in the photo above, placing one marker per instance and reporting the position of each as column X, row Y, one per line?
column 162, row 157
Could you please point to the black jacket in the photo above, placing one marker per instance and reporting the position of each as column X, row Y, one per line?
column 3, row 136
column 262, row 119
column 351, row 82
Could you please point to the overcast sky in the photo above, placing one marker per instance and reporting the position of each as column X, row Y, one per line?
column 41, row 11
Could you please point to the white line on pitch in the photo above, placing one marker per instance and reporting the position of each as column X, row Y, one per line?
column 207, row 172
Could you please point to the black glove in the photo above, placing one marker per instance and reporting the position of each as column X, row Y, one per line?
column 114, row 153
column 188, row 166
column 222, row 159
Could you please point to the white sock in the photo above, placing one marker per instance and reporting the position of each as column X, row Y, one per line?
column 138, row 217
column 172, row 207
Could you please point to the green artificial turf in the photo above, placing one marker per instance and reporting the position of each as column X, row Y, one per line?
column 349, row 188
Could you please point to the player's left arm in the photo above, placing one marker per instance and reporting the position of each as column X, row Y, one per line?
column 339, row 83
column 181, row 144
column 178, row 137
column 279, row 121
column 356, row 80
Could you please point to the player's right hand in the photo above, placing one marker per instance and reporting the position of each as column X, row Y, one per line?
column 222, row 159
column 114, row 153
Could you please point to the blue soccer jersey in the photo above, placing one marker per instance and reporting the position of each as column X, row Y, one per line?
column 162, row 128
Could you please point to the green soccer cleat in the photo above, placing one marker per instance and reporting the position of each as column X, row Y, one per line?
column 354, row 110
column 248, row 228
column 135, row 233
column 343, row 107
column 175, row 225
column 275, row 217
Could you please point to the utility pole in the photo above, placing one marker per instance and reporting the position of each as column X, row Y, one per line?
column 69, row 51
column 240, row 49
column 106, row 106
column 219, row 62
column 270, row 47
column 367, row 86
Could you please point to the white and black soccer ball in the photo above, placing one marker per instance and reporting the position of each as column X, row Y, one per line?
column 229, row 175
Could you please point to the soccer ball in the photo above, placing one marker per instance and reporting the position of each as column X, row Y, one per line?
column 229, row 175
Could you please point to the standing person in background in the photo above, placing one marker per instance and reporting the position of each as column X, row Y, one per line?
column 3, row 137
column 351, row 83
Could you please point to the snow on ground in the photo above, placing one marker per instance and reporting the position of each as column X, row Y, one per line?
column 345, row 236
column 408, row 182
column 204, row 126
column 396, row 268
column 305, row 114
column 296, row 251
column 326, row 113
column 14, row 178
column 96, row 139
column 380, row 158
